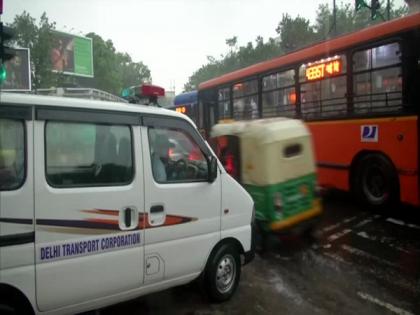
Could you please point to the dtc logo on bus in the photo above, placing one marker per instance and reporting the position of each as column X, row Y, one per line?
column 369, row 133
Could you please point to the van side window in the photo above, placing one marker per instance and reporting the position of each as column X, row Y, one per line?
column 84, row 154
column 176, row 157
column 12, row 154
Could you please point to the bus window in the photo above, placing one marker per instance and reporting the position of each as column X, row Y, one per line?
column 223, row 102
column 310, row 98
column 324, row 87
column 200, row 115
column 279, row 94
column 245, row 102
column 334, row 100
column 379, row 87
column 386, row 55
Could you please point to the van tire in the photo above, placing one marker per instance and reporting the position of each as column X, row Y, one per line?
column 14, row 304
column 376, row 182
column 222, row 273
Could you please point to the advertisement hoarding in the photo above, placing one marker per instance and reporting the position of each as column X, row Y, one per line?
column 18, row 76
column 72, row 54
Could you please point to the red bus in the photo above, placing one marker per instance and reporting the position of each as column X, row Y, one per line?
column 359, row 95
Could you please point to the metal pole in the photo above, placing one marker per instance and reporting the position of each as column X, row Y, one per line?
column 388, row 9
column 335, row 18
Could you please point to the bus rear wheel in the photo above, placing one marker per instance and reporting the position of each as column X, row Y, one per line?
column 376, row 182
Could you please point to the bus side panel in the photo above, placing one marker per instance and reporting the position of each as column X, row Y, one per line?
column 338, row 142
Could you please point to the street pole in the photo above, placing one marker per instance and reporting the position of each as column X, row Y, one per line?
column 388, row 9
column 335, row 18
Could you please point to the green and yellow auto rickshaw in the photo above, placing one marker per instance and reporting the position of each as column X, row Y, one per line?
column 274, row 161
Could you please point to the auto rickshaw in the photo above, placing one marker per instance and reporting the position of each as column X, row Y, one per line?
column 273, row 160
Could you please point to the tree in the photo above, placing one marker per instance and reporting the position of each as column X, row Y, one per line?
column 348, row 20
column 241, row 57
column 38, row 38
column 132, row 73
column 231, row 42
column 107, row 77
column 294, row 33
column 413, row 5
column 113, row 70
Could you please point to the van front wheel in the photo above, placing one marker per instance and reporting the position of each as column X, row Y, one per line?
column 222, row 273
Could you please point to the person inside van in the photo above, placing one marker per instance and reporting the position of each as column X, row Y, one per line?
column 160, row 157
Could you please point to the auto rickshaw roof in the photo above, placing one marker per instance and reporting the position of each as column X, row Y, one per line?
column 262, row 130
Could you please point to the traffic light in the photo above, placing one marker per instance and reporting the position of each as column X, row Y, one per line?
column 374, row 7
column 6, row 53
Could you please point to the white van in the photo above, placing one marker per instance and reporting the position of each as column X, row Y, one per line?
column 94, row 211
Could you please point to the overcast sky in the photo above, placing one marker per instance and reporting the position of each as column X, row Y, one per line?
column 172, row 37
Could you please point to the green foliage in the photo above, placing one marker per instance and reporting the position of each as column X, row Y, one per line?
column 235, row 59
column 413, row 5
column 359, row 4
column 294, row 33
column 112, row 70
column 39, row 40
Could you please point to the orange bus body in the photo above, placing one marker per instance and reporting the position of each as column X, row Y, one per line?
column 339, row 43
column 338, row 143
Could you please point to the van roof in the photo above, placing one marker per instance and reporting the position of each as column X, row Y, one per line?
column 25, row 99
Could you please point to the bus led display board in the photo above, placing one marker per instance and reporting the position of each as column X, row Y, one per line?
column 321, row 70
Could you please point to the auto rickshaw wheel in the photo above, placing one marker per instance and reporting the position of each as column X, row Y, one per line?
column 261, row 238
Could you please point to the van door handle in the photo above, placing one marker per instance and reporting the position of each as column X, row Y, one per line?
column 128, row 218
column 156, row 209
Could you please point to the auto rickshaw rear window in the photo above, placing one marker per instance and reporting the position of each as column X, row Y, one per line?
column 292, row 150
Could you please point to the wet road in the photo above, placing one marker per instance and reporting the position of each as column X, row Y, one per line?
column 360, row 263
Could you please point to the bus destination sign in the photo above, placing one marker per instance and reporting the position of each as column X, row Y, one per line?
column 323, row 69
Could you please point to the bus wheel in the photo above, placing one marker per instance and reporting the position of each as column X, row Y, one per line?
column 223, row 273
column 376, row 181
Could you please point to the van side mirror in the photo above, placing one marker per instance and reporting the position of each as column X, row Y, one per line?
column 212, row 169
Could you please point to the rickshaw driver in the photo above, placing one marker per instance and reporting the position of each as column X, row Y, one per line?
column 226, row 156
column 160, row 157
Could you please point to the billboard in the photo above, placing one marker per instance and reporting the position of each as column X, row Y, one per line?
column 72, row 54
column 18, row 71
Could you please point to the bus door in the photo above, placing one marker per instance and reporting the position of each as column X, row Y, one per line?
column 208, row 106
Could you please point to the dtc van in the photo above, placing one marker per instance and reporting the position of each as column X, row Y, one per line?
column 94, row 211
